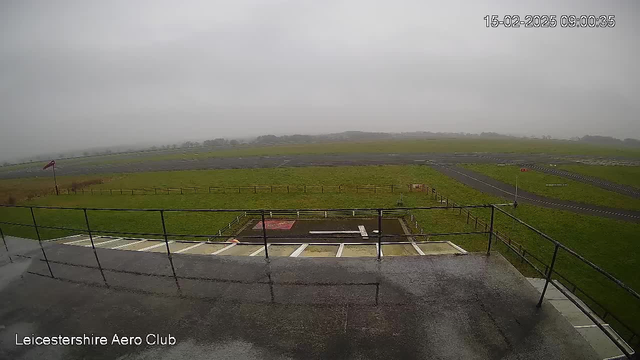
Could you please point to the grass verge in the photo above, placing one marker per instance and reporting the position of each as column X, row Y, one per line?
column 535, row 182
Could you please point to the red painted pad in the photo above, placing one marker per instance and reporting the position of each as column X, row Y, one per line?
column 275, row 225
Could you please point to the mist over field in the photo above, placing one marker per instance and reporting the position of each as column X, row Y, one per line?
column 88, row 74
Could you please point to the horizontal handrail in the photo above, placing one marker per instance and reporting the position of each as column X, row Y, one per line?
column 245, row 210
column 575, row 254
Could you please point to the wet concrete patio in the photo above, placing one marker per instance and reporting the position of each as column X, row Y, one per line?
column 231, row 307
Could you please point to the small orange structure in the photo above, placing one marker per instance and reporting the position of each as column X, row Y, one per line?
column 418, row 187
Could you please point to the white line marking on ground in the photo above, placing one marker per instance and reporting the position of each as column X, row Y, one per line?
column 329, row 232
column 125, row 245
column 299, row 250
column 339, row 253
column 75, row 242
column 462, row 251
column 104, row 242
column 417, row 249
column 259, row 250
column 224, row 249
column 587, row 326
column 63, row 238
column 155, row 246
column 363, row 232
column 189, row 248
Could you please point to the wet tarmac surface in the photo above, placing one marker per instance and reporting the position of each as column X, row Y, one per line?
column 300, row 231
column 415, row 307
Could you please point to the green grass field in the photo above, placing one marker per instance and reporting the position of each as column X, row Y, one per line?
column 521, row 146
column 535, row 182
column 625, row 175
column 608, row 243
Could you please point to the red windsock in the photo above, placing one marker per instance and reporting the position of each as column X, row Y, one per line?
column 50, row 164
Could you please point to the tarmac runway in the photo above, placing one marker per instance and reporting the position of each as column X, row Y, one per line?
column 441, row 162
column 601, row 183
column 253, row 162
column 491, row 186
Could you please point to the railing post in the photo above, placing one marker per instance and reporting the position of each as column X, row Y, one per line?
column 5, row 245
column 166, row 242
column 93, row 246
column 491, row 229
column 35, row 226
column 264, row 236
column 379, row 234
column 546, row 283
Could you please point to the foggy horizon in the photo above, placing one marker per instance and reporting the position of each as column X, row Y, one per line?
column 79, row 75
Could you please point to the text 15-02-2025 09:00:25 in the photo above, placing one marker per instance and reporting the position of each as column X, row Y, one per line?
column 550, row 21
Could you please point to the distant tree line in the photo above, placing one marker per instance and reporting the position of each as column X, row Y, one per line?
column 608, row 140
column 335, row 137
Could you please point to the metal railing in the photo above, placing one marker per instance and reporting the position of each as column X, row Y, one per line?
column 632, row 339
column 378, row 213
column 248, row 189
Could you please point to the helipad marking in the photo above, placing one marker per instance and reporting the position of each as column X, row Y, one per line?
column 223, row 249
column 330, row 232
column 299, row 250
column 189, row 248
column 339, row 253
column 162, row 243
column 125, row 245
column 363, row 232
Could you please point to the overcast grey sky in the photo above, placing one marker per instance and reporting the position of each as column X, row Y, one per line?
column 76, row 74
